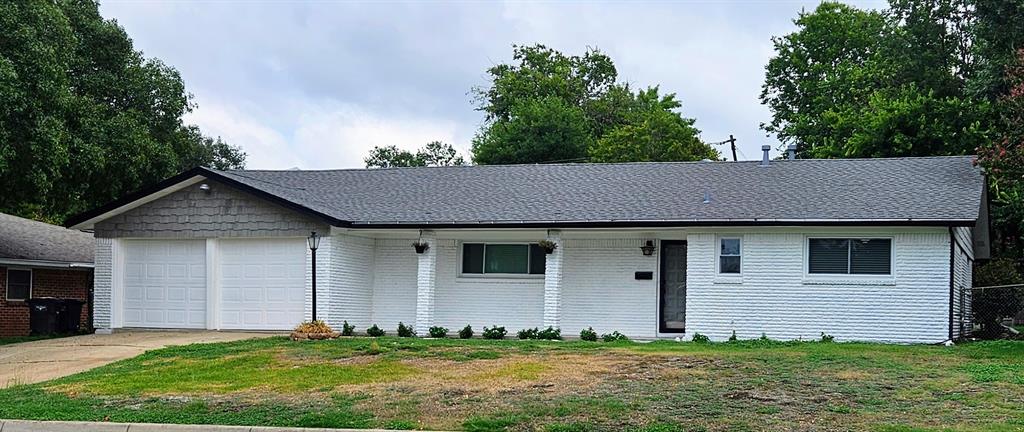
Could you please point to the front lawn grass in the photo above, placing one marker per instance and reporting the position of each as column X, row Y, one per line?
column 554, row 386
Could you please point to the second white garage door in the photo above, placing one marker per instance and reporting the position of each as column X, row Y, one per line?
column 263, row 283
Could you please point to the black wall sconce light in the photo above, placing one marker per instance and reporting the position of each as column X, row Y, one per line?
column 648, row 248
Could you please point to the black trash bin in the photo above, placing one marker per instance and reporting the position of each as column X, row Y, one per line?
column 45, row 315
column 72, row 318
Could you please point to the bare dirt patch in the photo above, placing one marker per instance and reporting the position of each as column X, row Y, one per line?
column 449, row 390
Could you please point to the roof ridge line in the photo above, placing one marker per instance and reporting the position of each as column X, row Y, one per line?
column 591, row 164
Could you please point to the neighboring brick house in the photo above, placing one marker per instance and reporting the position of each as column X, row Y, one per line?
column 41, row 260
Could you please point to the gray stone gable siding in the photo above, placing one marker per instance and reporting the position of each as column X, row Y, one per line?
column 222, row 212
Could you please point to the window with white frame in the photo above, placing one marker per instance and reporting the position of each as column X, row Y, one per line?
column 19, row 284
column 729, row 255
column 502, row 259
column 865, row 256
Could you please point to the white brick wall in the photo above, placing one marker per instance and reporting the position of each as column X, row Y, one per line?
column 351, row 283
column 553, row 282
column 962, row 282
column 599, row 289
column 103, row 284
column 394, row 283
column 776, row 298
column 426, row 270
column 515, row 303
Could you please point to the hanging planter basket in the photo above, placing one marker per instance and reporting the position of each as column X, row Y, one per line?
column 421, row 246
column 548, row 246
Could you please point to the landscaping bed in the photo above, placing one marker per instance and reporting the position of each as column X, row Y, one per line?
column 539, row 385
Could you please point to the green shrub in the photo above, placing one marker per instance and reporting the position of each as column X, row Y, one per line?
column 347, row 329
column 699, row 338
column 588, row 334
column 614, row 336
column 405, row 331
column 827, row 338
column 466, row 332
column 438, row 332
column 527, row 333
column 550, row 333
column 494, row 332
column 375, row 331
column 733, row 338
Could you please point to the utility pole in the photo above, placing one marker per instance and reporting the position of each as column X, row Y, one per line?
column 732, row 144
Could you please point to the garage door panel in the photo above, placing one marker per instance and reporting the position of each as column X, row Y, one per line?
column 254, row 271
column 262, row 283
column 165, row 284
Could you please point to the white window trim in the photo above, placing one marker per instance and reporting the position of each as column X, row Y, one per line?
column 462, row 275
column 31, row 284
column 846, row 278
column 728, row 278
column 718, row 256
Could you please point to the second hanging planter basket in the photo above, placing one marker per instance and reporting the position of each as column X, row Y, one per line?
column 420, row 246
column 548, row 246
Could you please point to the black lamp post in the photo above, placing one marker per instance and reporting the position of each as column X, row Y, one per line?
column 314, row 242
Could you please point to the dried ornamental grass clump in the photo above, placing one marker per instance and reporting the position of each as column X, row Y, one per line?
column 314, row 330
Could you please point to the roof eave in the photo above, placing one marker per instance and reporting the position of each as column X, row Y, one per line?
column 663, row 223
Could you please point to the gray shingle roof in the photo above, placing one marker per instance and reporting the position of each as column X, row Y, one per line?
column 894, row 189
column 25, row 239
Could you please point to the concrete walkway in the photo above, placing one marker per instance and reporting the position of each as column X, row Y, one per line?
column 31, row 362
column 37, row 426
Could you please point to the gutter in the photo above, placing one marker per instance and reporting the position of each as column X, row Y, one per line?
column 660, row 223
column 45, row 263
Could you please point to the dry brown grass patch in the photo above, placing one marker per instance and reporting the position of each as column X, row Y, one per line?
column 850, row 374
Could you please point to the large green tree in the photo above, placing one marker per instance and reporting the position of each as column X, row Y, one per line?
column 862, row 83
column 651, row 132
column 920, row 78
column 550, row 107
column 1003, row 160
column 84, row 117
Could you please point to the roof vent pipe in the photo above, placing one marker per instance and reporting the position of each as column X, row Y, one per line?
column 764, row 154
column 791, row 152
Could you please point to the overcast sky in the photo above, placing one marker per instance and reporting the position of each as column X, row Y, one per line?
column 316, row 85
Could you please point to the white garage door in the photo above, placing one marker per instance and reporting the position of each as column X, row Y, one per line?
column 165, row 284
column 263, row 283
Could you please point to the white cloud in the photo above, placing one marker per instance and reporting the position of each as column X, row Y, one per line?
column 325, row 135
column 316, row 85
column 265, row 147
column 341, row 135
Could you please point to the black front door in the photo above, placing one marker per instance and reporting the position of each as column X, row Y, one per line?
column 672, row 295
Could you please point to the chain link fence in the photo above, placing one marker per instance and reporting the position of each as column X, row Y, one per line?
column 996, row 312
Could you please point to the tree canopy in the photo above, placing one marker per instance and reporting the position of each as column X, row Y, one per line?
column 84, row 117
column 920, row 78
column 550, row 107
column 856, row 83
column 435, row 153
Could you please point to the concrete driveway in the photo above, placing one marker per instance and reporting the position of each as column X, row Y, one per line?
column 31, row 362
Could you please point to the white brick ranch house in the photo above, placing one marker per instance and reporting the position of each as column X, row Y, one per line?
column 867, row 249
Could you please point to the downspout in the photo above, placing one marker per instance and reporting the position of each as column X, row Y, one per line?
column 952, row 256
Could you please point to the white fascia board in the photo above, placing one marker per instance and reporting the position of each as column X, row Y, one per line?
column 44, row 264
column 87, row 225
